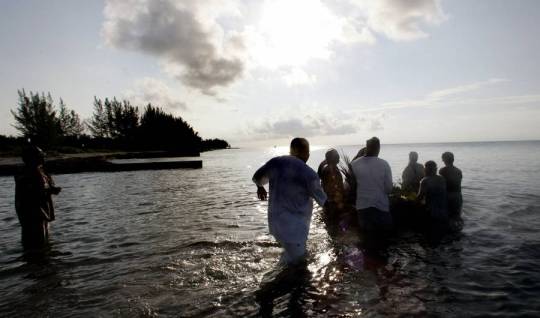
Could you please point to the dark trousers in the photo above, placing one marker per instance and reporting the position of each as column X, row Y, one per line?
column 35, row 234
column 375, row 227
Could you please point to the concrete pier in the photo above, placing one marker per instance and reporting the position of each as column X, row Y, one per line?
column 102, row 164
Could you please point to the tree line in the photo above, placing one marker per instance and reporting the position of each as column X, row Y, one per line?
column 115, row 124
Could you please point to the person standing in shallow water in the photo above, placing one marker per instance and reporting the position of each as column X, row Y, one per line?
column 374, row 183
column 34, row 188
column 453, row 177
column 293, row 185
column 433, row 190
column 332, row 181
column 412, row 174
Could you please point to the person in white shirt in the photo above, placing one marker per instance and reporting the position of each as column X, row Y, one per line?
column 293, row 184
column 373, row 184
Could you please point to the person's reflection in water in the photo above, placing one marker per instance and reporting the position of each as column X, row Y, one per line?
column 34, row 188
column 293, row 280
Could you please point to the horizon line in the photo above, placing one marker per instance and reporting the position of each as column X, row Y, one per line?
column 409, row 143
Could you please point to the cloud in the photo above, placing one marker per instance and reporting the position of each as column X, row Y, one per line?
column 444, row 93
column 297, row 77
column 210, row 44
column 154, row 91
column 401, row 20
column 315, row 123
column 455, row 96
column 191, row 45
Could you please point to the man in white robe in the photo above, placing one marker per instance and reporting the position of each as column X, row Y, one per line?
column 293, row 186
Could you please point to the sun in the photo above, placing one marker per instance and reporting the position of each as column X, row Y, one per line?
column 293, row 32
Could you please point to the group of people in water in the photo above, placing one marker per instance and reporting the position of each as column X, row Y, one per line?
column 293, row 186
column 368, row 184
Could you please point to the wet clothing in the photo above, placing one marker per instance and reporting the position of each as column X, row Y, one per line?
column 374, row 221
column 375, row 227
column 293, row 185
column 34, row 206
column 373, row 183
column 332, row 183
column 411, row 176
column 453, row 177
column 433, row 189
column 294, row 252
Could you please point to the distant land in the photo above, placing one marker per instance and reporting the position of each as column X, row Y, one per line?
column 115, row 126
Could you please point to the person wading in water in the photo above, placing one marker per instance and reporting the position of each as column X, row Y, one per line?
column 373, row 184
column 34, row 188
column 412, row 174
column 293, row 185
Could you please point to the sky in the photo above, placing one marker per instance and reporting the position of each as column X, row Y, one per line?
column 258, row 72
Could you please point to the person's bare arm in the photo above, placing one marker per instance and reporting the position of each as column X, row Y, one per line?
column 320, row 169
column 260, row 178
column 317, row 192
column 421, row 190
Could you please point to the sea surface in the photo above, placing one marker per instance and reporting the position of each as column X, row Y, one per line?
column 181, row 243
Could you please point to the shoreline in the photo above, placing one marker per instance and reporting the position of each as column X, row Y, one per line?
column 102, row 162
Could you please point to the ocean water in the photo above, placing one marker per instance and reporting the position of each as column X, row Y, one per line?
column 195, row 243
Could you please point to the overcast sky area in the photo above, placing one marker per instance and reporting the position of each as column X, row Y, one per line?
column 260, row 72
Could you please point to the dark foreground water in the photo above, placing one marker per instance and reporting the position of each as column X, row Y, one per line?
column 195, row 243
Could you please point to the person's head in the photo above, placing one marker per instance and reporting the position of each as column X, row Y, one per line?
column 430, row 168
column 300, row 148
column 373, row 146
column 448, row 158
column 332, row 157
column 413, row 157
column 361, row 152
column 32, row 156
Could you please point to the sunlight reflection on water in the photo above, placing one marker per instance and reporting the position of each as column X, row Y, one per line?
column 196, row 243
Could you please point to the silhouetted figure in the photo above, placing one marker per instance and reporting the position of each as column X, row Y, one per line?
column 412, row 174
column 33, row 199
column 433, row 191
column 293, row 184
column 374, row 183
column 453, row 177
column 350, row 179
column 332, row 181
column 361, row 153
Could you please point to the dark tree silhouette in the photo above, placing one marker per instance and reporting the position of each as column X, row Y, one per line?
column 163, row 131
column 123, row 119
column 210, row 144
column 70, row 123
column 98, row 123
column 114, row 125
column 36, row 119
column 114, row 120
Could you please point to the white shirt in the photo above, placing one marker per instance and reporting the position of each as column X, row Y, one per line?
column 293, row 184
column 373, row 183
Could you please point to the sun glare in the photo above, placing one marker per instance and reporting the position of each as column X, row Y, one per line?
column 295, row 31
